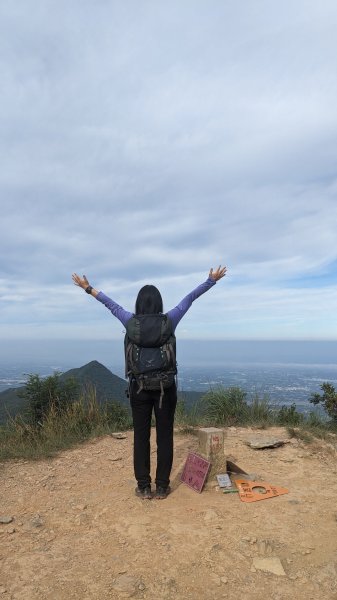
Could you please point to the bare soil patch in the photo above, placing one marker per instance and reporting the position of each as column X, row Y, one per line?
column 79, row 532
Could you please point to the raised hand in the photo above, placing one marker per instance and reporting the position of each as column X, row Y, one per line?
column 218, row 274
column 80, row 281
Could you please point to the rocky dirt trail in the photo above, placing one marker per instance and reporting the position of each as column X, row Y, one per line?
column 78, row 531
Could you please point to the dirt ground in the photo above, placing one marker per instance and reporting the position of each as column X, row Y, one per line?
column 79, row 532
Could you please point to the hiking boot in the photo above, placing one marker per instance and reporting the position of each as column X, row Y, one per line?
column 144, row 493
column 161, row 493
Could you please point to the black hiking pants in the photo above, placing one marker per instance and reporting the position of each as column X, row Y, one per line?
column 142, row 405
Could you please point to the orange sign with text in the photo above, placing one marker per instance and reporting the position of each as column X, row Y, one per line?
column 252, row 491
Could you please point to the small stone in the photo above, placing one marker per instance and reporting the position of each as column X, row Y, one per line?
column 37, row 521
column 45, row 478
column 216, row 547
column 270, row 565
column 81, row 506
column 114, row 458
column 118, row 436
column 216, row 579
column 10, row 531
column 210, row 515
column 126, row 584
column 6, row 520
column 265, row 442
column 81, row 519
column 3, row 590
column 223, row 579
column 141, row 587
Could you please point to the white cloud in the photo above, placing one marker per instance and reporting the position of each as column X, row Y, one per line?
column 143, row 141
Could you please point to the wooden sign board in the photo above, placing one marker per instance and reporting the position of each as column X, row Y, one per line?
column 195, row 471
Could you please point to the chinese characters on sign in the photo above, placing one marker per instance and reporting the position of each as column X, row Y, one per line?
column 252, row 491
column 195, row 471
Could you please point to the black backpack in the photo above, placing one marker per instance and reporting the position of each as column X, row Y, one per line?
column 150, row 352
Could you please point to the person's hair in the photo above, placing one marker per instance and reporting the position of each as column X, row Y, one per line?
column 149, row 301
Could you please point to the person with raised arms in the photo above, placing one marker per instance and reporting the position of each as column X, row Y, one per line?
column 150, row 360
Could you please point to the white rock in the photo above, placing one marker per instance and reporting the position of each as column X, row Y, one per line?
column 5, row 520
column 126, row 584
column 265, row 442
column 270, row 565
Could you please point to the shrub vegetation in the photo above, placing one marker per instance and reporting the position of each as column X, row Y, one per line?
column 55, row 421
column 44, row 393
column 59, row 416
column 226, row 406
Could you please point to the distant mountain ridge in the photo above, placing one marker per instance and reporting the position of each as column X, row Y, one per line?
column 109, row 388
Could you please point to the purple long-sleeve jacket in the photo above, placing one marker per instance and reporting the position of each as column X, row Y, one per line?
column 175, row 314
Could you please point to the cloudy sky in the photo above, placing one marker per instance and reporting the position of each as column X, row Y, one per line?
column 144, row 142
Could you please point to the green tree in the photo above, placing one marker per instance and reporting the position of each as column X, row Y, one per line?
column 288, row 415
column 42, row 393
column 328, row 400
